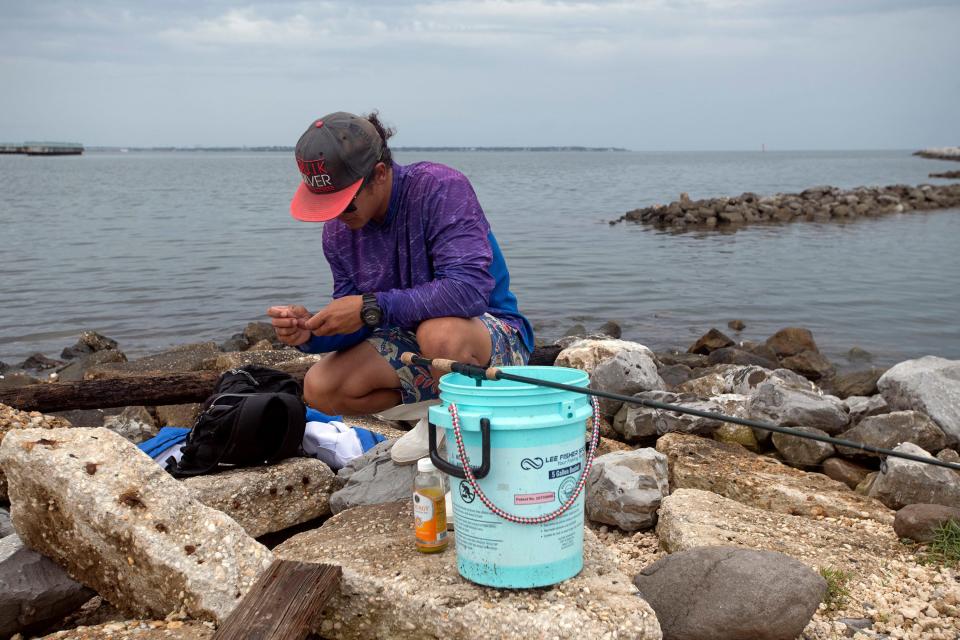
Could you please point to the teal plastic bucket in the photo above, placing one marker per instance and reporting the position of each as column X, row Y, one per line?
column 537, row 454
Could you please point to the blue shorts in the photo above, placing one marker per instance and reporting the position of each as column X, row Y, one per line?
column 416, row 383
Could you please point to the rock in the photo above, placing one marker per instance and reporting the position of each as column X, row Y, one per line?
column 810, row 364
column 13, row 419
column 909, row 482
column 373, row 478
column 746, row 380
column 731, row 433
column 33, row 590
column 860, row 383
column 802, row 452
column 98, row 506
column 919, row 522
column 930, row 385
column 856, row 354
column 704, row 386
column 576, row 331
column 791, row 341
column 138, row 630
column 133, row 423
column 863, row 488
column 3, row 367
column 790, row 407
column 732, row 355
column 87, row 418
column 860, row 407
column 6, row 527
column 690, row 519
column 89, row 342
column 75, row 370
column 178, row 415
column 188, row 357
column 39, row 362
column 710, row 341
column 675, row 374
column 844, row 471
column 737, row 325
column 588, row 353
column 625, row 488
column 236, row 342
column 890, row 429
column 610, row 328
column 759, row 349
column 690, row 591
column 267, row 499
column 635, row 422
column 13, row 380
column 257, row 331
column 626, row 373
column 389, row 590
column 263, row 345
column 949, row 455
column 759, row 481
column 692, row 360
column 224, row 361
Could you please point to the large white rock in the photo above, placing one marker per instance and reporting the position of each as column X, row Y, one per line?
column 911, row 482
column 391, row 591
column 791, row 407
column 635, row 421
column 118, row 523
column 267, row 499
column 625, row 488
column 759, row 481
column 928, row 384
column 626, row 373
column 588, row 353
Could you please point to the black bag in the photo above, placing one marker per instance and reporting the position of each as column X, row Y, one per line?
column 255, row 416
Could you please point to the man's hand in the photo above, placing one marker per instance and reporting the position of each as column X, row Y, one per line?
column 288, row 322
column 339, row 317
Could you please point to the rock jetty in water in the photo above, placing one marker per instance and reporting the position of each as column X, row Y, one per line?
column 940, row 153
column 817, row 204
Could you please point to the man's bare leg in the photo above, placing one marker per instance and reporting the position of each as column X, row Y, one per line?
column 461, row 339
column 357, row 381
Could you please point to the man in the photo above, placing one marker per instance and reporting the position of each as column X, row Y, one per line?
column 415, row 268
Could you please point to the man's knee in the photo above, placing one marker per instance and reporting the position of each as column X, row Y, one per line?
column 321, row 390
column 461, row 339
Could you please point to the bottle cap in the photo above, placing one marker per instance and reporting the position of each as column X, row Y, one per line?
column 425, row 465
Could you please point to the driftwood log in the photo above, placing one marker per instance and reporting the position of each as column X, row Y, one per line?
column 153, row 390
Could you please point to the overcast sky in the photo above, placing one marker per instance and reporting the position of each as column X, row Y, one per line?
column 647, row 75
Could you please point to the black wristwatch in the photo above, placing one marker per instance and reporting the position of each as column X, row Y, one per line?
column 370, row 313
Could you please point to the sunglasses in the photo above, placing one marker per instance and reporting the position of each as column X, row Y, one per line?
column 353, row 204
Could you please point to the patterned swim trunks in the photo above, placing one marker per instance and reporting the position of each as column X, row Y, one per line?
column 416, row 383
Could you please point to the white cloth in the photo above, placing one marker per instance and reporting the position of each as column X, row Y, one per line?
column 332, row 442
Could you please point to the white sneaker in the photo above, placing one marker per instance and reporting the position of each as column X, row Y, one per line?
column 414, row 444
column 412, row 411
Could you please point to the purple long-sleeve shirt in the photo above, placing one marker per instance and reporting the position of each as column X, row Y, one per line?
column 431, row 257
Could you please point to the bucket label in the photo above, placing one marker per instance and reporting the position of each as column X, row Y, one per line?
column 565, row 471
column 525, row 481
column 533, row 498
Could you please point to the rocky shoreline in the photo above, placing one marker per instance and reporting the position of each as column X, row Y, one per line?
column 817, row 204
column 941, row 153
column 675, row 504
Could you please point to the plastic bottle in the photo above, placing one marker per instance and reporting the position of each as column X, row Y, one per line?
column 429, row 508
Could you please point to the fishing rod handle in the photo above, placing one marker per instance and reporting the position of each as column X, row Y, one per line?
column 452, row 366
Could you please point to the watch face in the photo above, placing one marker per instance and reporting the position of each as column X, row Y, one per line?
column 371, row 317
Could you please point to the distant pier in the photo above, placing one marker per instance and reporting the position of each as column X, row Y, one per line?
column 42, row 148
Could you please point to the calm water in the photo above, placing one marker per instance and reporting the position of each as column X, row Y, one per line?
column 166, row 248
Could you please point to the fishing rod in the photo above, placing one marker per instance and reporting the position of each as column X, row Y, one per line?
column 479, row 374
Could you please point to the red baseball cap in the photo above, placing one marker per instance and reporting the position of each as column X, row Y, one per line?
column 334, row 155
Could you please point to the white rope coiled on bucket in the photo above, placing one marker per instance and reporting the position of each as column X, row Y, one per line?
column 547, row 517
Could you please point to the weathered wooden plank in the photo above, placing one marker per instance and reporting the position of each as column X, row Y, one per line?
column 151, row 389
column 284, row 604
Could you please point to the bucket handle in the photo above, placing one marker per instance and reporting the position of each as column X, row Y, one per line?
column 452, row 470
column 472, row 479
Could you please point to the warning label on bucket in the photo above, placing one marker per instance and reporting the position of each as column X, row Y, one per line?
column 533, row 498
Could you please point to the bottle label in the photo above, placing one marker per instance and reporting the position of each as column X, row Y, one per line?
column 429, row 519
